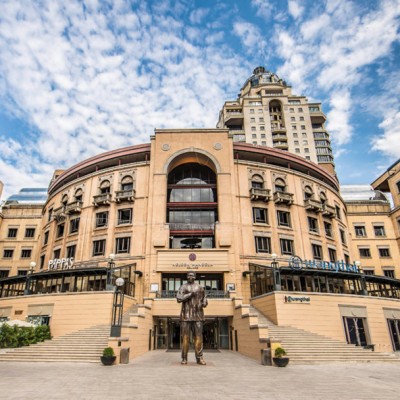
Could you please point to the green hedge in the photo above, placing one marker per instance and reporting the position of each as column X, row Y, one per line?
column 18, row 336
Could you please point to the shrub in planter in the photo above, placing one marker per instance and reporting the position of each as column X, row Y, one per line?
column 279, row 358
column 108, row 357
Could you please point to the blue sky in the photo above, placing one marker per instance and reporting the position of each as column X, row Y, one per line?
column 81, row 77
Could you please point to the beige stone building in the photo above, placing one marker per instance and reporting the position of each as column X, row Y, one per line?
column 266, row 231
column 267, row 113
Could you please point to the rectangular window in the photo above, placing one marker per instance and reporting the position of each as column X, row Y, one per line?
column 296, row 142
column 261, row 119
column 292, row 118
column 384, row 252
column 262, row 128
column 360, row 231
column 260, row 215
column 264, row 143
column 99, row 247
column 12, row 232
column 74, row 225
column 253, row 128
column 368, row 271
column 46, row 238
column 379, row 230
column 263, row 136
column 365, row 252
column 317, row 251
column 122, row 245
column 328, row 229
column 60, row 230
column 332, row 255
column 294, row 127
column 125, row 216
column 300, row 109
column 71, row 250
column 303, row 127
column 50, row 215
column 251, row 110
column 254, row 136
column 295, row 134
column 347, row 259
column 389, row 273
column 4, row 273
column 252, row 120
column 101, row 219
column 398, row 186
column 291, row 110
column 30, row 232
column 312, row 224
column 283, row 218
column 342, row 236
column 26, row 253
column 22, row 272
column 305, row 142
column 56, row 254
column 297, row 150
column 42, row 258
column 287, row 246
column 8, row 253
column 338, row 214
column 301, row 118
column 263, row 244
column 306, row 150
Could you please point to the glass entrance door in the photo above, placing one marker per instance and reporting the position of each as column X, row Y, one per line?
column 174, row 334
column 394, row 329
column 355, row 331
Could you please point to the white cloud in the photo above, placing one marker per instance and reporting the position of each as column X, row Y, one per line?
column 295, row 8
column 264, row 8
column 389, row 142
column 88, row 80
column 250, row 36
column 338, row 117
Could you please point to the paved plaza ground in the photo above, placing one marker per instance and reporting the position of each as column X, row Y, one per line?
column 227, row 375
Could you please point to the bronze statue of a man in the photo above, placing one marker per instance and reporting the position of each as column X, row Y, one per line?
column 193, row 299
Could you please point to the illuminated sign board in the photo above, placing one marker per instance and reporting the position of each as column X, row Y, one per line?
column 297, row 263
column 60, row 263
column 297, row 299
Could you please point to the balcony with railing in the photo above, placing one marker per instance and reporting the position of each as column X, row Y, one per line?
column 281, row 145
column 279, row 137
column 278, row 129
column 283, row 198
column 75, row 207
column 233, row 117
column 59, row 213
column 258, row 194
column 317, row 116
column 125, row 195
column 313, row 205
column 238, row 137
column 102, row 199
column 328, row 211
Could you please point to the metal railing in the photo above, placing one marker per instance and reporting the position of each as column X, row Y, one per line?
column 191, row 227
column 125, row 195
column 211, row 294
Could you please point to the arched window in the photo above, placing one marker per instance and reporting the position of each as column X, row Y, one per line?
column 78, row 195
column 127, row 183
column 322, row 197
column 105, row 187
column 257, row 182
column 280, row 185
column 192, row 206
column 64, row 200
column 308, row 193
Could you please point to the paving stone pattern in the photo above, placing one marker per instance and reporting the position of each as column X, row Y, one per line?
column 228, row 375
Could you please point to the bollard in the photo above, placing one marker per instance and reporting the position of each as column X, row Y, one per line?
column 124, row 355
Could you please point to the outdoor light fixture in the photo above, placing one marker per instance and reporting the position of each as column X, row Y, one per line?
column 245, row 273
column 32, row 265
column 120, row 282
column 138, row 273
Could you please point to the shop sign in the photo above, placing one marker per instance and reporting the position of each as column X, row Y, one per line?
column 298, row 299
column 297, row 263
column 60, row 264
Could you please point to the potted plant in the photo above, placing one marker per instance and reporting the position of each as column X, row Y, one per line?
column 279, row 359
column 108, row 357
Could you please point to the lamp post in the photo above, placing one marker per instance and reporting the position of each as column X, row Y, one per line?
column 110, row 267
column 276, row 273
column 363, row 291
column 32, row 266
column 118, row 306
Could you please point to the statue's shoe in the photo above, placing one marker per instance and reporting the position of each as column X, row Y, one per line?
column 184, row 362
column 201, row 361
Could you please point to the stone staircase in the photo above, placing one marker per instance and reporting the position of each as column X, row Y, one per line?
column 310, row 348
column 85, row 346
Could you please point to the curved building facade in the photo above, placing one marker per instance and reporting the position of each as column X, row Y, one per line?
column 258, row 225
